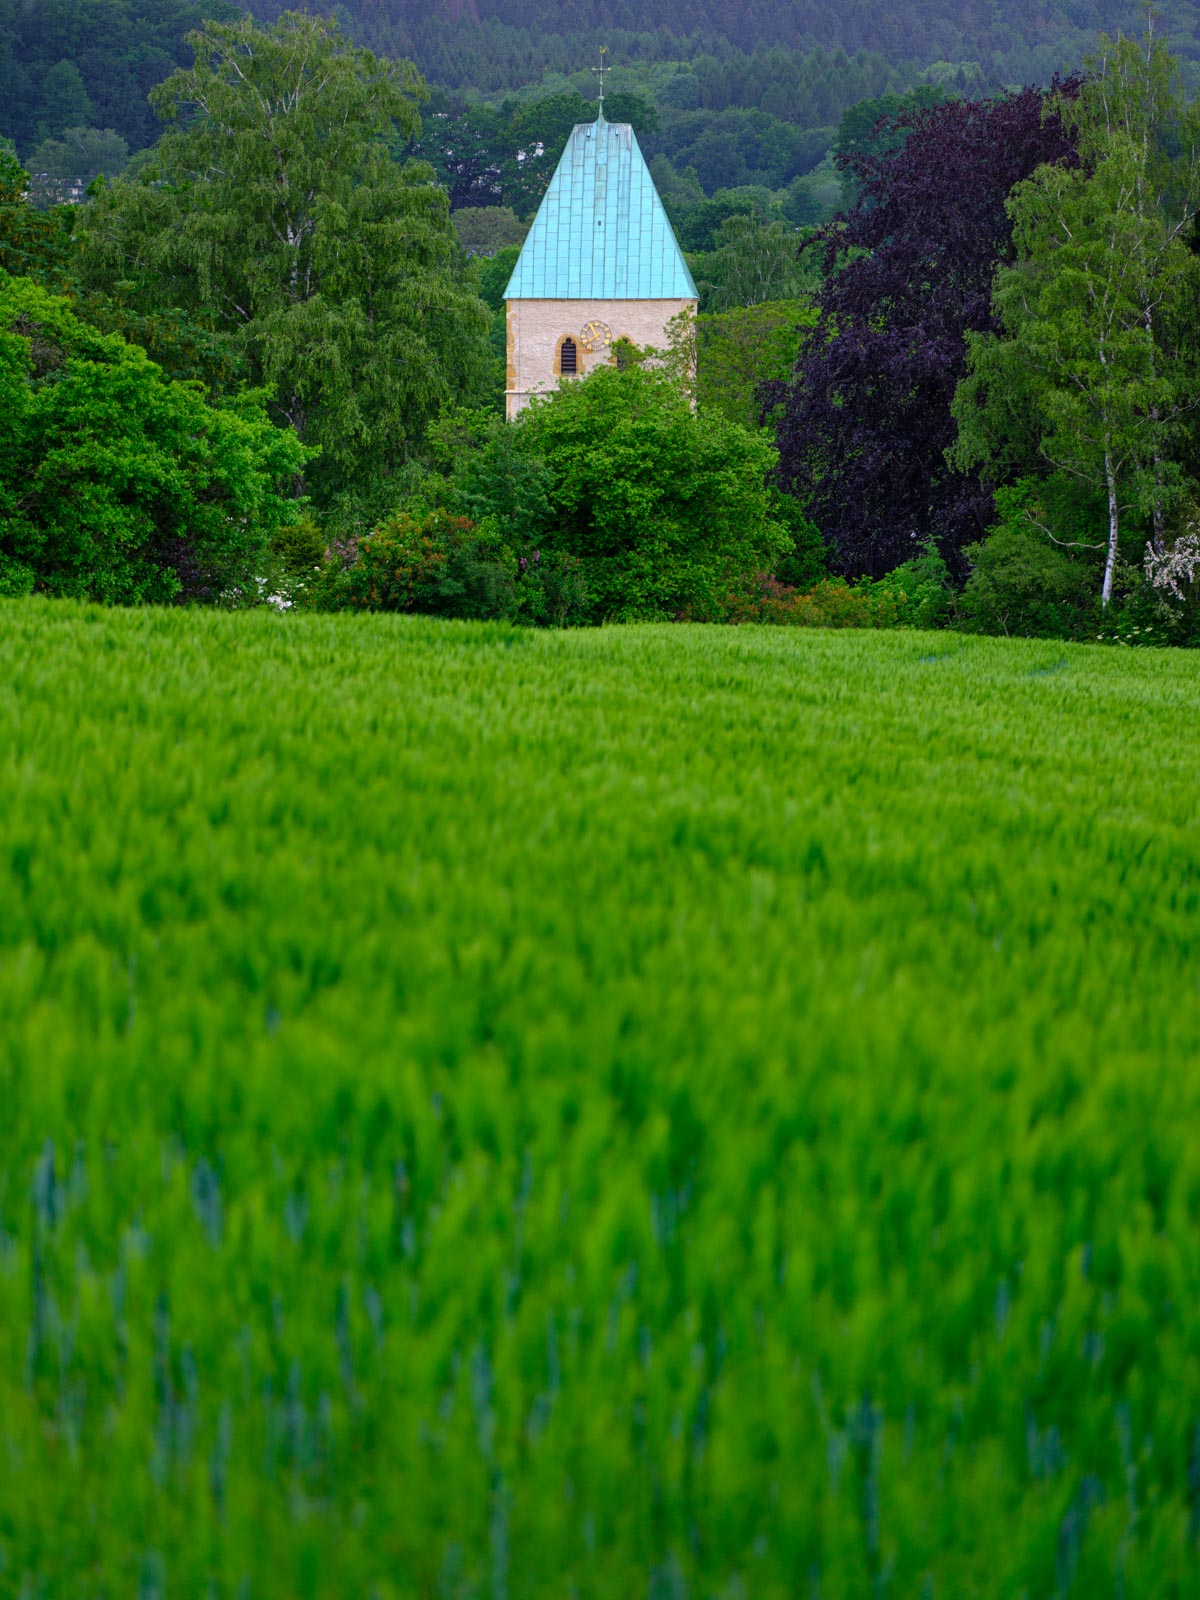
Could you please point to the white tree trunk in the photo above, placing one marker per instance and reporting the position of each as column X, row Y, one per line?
column 1114, row 529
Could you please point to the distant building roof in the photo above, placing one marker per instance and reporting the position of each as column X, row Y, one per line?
column 601, row 232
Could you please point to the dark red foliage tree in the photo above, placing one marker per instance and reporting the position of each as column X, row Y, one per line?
column 864, row 423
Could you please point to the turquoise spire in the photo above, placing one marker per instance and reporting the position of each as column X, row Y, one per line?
column 601, row 232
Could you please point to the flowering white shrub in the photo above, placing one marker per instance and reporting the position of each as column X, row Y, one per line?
column 1175, row 569
column 280, row 601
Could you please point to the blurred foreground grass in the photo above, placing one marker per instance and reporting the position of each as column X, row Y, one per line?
column 650, row 1112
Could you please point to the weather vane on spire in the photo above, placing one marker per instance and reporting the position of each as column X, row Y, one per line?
column 600, row 71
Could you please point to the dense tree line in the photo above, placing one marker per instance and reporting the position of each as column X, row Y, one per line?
column 491, row 44
column 67, row 66
column 268, row 360
column 1004, row 366
column 265, row 356
column 275, row 261
column 866, row 422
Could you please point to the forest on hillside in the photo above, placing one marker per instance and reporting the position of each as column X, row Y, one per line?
column 494, row 44
column 69, row 64
column 91, row 63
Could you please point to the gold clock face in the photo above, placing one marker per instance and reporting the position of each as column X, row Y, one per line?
column 595, row 335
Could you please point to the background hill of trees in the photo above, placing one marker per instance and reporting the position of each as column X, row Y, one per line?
column 493, row 44
column 70, row 64
column 91, row 63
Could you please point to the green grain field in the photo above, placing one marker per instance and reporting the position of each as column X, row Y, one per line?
column 641, row 1114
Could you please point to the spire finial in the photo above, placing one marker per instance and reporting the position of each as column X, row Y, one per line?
column 600, row 71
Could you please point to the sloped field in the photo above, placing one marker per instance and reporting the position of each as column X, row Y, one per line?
column 649, row 1112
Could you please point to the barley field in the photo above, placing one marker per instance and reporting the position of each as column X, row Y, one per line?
column 641, row 1114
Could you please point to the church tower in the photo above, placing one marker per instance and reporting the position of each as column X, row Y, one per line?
column 600, row 262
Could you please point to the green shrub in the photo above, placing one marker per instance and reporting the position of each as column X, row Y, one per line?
column 432, row 562
column 299, row 547
column 1021, row 584
column 551, row 589
column 444, row 565
column 807, row 561
column 293, row 565
column 665, row 508
column 1139, row 615
column 832, row 603
column 620, row 501
column 16, row 577
column 1038, row 571
column 916, row 594
column 506, row 487
column 119, row 485
column 476, row 581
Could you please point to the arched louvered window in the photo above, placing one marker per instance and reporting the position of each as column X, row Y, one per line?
column 568, row 360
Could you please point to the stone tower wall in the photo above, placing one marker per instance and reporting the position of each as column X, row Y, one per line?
column 537, row 328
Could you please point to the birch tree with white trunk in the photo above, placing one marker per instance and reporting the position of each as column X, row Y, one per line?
column 1096, row 346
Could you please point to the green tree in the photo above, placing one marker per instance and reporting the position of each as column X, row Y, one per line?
column 494, row 273
column 681, row 92
column 117, row 484
column 753, row 261
column 276, row 208
column 665, row 507
column 623, row 106
column 61, row 167
column 1094, row 368
column 466, row 147
column 1021, row 584
column 740, row 349
column 698, row 223
column 31, row 245
column 483, row 230
column 812, row 200
column 63, row 102
column 38, row 245
column 490, row 476
column 871, row 125
column 533, row 137
column 680, row 191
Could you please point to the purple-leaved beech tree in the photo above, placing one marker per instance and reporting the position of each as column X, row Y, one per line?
column 865, row 422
